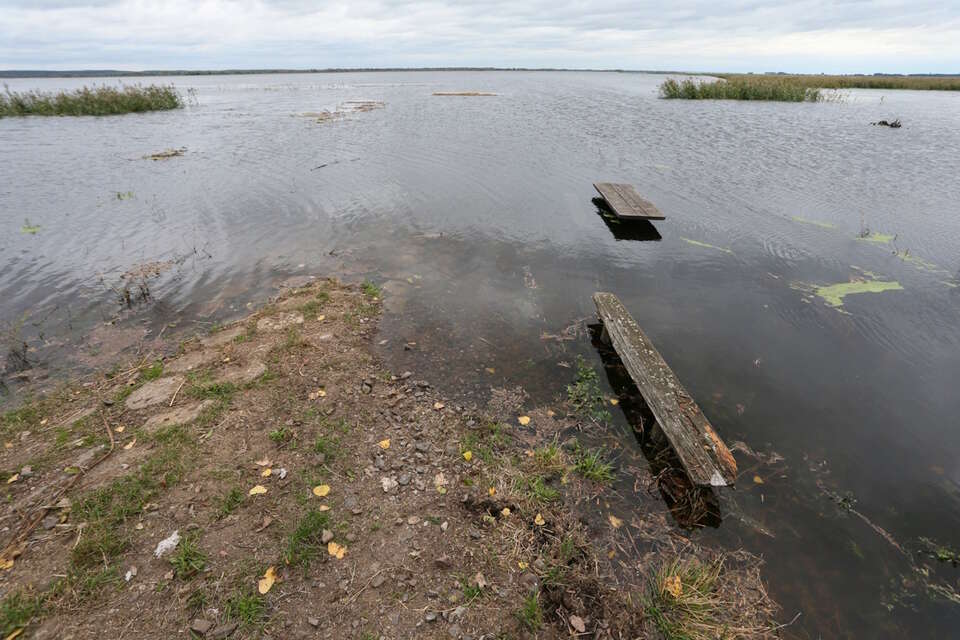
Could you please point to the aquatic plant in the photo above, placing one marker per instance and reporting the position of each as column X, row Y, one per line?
column 923, row 83
column 90, row 101
column 739, row 88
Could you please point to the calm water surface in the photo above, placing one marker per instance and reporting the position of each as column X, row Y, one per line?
column 476, row 215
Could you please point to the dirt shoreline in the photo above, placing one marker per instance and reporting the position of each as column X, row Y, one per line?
column 314, row 494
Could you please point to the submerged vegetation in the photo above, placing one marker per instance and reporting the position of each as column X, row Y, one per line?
column 740, row 88
column 90, row 101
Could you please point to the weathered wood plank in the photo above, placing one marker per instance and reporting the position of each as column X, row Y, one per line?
column 626, row 203
column 705, row 457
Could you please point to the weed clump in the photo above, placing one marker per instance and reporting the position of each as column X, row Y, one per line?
column 584, row 394
column 305, row 542
column 90, row 101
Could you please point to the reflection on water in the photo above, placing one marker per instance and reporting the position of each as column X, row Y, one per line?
column 476, row 216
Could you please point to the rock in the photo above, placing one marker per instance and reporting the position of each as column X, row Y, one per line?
column 380, row 463
column 180, row 415
column 430, row 617
column 26, row 472
column 326, row 536
column 190, row 361
column 403, row 479
column 314, row 622
column 457, row 613
column 223, row 337
column 412, row 520
column 223, row 631
column 377, row 582
column 577, row 623
column 443, row 562
column 50, row 522
column 279, row 322
column 388, row 483
column 242, row 375
column 422, row 446
column 154, row 392
column 454, row 631
column 405, row 375
column 200, row 626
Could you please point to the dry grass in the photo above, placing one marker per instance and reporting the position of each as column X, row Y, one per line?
column 923, row 83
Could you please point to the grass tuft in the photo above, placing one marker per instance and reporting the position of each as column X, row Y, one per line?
column 303, row 544
column 371, row 289
column 188, row 559
column 90, row 101
column 16, row 612
column 530, row 615
column 584, row 394
column 592, row 466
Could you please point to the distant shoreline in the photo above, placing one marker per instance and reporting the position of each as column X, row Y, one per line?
column 113, row 73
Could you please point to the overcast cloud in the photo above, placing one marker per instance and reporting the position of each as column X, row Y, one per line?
column 842, row 36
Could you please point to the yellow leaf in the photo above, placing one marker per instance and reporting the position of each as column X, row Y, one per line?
column 614, row 401
column 321, row 490
column 611, row 554
column 119, row 428
column 442, row 490
column 539, row 521
column 468, row 455
column 321, row 318
column 615, row 521
column 492, row 491
column 551, row 413
column 266, row 472
column 13, row 478
column 505, row 512
column 130, row 444
column 336, row 550
column 16, row 633
column 491, row 370
column 257, row 490
column 321, row 393
column 524, row 420
column 522, row 564
column 385, row 443
column 267, row 581
column 438, row 405
column 6, row 564
column 265, row 462
column 323, row 507
column 673, row 586
column 758, row 480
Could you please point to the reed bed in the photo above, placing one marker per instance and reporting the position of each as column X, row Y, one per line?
column 90, row 101
column 923, row 83
column 745, row 88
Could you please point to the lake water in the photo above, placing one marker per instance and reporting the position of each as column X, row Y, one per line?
column 475, row 214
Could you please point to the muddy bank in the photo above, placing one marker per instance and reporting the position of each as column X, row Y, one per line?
column 273, row 479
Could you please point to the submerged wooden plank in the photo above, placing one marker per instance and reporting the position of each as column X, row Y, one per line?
column 626, row 203
column 705, row 457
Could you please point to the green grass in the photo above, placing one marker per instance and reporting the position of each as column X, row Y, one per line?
column 230, row 502
column 152, row 372
column 329, row 446
column 371, row 289
column 90, row 101
column 303, row 543
column 740, row 88
column 530, row 615
column 584, row 394
column 17, row 611
column 188, row 559
column 538, row 490
column 592, row 466
column 470, row 591
column 244, row 607
column 683, row 601
column 310, row 310
column 281, row 435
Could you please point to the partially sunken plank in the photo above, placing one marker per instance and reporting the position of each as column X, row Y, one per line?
column 626, row 203
column 704, row 456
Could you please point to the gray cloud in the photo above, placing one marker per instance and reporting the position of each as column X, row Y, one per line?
column 803, row 35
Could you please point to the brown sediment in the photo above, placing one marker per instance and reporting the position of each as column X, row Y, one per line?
column 382, row 508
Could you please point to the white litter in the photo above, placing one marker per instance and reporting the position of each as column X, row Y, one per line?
column 167, row 545
column 282, row 473
column 131, row 572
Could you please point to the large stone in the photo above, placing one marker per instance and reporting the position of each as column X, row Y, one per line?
column 180, row 415
column 279, row 322
column 154, row 392
column 190, row 361
column 242, row 374
column 221, row 338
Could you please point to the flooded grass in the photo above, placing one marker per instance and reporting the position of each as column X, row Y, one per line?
column 90, row 101
column 923, row 83
column 740, row 88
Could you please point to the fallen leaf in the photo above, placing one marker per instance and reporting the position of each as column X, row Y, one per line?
column 130, row 444
column 15, row 633
column 321, row 318
column 539, row 521
column 615, row 521
column 263, row 463
column 266, row 472
column 257, row 490
column 468, row 455
column 385, row 443
column 266, row 582
column 438, row 405
column 614, row 401
column 577, row 623
column 267, row 521
column 321, row 490
column 505, row 512
column 119, row 428
column 529, row 453
column 13, row 478
column 524, row 420
column 551, row 413
column 442, row 490
column 492, row 491
column 6, row 564
column 479, row 580
column 336, row 550
column 673, row 586
column 323, row 507
column 522, row 564
column 757, row 480
column 611, row 554
column 491, row 370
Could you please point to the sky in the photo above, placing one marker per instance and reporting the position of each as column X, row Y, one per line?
column 812, row 36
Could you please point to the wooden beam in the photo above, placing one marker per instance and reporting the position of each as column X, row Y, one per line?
column 626, row 203
column 703, row 454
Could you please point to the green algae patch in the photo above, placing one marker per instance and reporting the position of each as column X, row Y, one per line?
column 920, row 263
column 697, row 243
column 816, row 223
column 30, row 229
column 833, row 294
column 878, row 238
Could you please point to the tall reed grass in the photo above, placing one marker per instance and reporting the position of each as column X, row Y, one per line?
column 90, row 101
column 925, row 83
column 739, row 89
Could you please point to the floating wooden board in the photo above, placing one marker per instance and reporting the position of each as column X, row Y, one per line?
column 626, row 203
column 705, row 457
